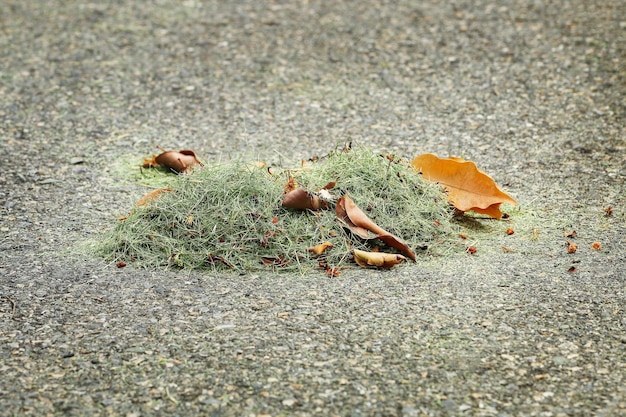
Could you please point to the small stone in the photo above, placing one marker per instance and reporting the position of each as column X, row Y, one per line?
column 289, row 402
column 409, row 410
column 448, row 404
column 464, row 407
column 48, row 181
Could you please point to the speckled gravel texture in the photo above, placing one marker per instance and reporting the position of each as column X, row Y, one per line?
column 533, row 91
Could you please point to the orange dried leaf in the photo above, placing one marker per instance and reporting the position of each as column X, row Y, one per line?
column 468, row 187
column 377, row 259
column 596, row 246
column 510, row 231
column 319, row 249
column 491, row 211
column 152, row 195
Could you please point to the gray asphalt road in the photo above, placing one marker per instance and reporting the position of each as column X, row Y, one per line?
column 533, row 92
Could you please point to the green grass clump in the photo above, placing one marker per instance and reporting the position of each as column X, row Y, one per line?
column 229, row 215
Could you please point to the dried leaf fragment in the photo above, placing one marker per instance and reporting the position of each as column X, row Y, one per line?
column 320, row 249
column 150, row 162
column 277, row 261
column 571, row 247
column 214, row 259
column 330, row 271
column 152, row 195
column 468, row 187
column 596, row 246
column 291, row 185
column 377, row 259
column 330, row 185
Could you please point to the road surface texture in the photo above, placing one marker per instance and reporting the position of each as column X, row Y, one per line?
column 533, row 91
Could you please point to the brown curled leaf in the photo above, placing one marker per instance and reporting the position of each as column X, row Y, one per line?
column 354, row 219
column 303, row 200
column 352, row 214
column 397, row 243
column 180, row 162
column 377, row 259
column 344, row 218
column 320, row 249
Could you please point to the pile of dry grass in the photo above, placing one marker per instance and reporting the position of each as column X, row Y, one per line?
column 229, row 215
